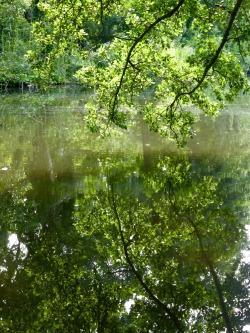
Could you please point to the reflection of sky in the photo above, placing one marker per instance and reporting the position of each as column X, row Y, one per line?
column 246, row 259
column 247, row 328
column 13, row 242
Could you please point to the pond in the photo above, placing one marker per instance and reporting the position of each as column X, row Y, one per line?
column 126, row 233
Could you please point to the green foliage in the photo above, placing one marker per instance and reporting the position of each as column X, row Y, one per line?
column 15, row 40
column 17, row 44
column 150, row 50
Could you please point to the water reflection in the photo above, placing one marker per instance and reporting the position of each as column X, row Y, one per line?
column 89, row 226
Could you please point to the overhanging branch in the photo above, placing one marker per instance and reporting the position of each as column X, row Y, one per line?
column 215, row 56
column 136, row 42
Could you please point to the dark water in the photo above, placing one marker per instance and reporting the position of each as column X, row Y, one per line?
column 122, row 234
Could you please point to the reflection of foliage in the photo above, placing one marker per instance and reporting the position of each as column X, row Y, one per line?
column 173, row 251
column 165, row 237
column 81, row 295
column 178, row 248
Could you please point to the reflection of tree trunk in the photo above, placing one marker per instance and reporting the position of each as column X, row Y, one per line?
column 39, row 172
column 145, row 144
column 211, row 268
column 216, row 280
column 41, row 163
column 221, row 297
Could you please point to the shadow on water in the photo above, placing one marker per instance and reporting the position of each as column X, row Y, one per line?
column 125, row 234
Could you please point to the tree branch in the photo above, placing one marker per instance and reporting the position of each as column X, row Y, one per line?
column 215, row 57
column 137, row 41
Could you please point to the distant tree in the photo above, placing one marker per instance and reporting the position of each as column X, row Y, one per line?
column 15, row 40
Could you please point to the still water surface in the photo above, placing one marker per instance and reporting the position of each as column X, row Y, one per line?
column 70, row 200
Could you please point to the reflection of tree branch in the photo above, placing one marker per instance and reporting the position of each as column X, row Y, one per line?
column 177, row 323
column 101, row 12
column 125, row 270
column 102, row 308
column 207, row 261
column 223, row 8
column 129, row 55
column 214, row 275
column 215, row 56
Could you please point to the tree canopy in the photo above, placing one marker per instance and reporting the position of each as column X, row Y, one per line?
column 188, row 54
